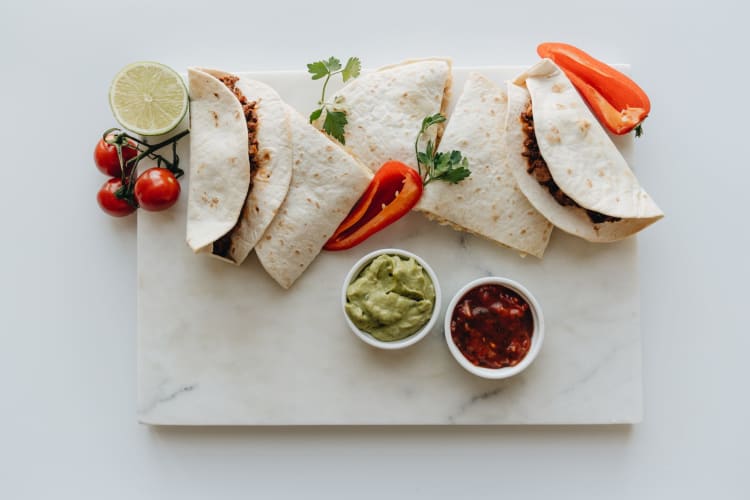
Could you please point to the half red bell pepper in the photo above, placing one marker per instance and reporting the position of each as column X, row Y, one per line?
column 616, row 100
column 394, row 190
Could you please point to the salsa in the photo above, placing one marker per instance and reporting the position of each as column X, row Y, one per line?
column 492, row 326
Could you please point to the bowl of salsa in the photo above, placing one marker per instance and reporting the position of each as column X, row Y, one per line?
column 494, row 327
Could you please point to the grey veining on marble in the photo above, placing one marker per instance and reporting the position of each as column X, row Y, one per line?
column 225, row 345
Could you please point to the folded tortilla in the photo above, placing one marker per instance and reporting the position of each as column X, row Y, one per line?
column 230, row 204
column 588, row 190
column 326, row 183
column 385, row 109
column 489, row 202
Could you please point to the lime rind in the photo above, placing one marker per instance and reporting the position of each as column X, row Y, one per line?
column 148, row 98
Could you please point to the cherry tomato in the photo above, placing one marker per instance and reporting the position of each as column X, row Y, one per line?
column 105, row 157
column 156, row 189
column 110, row 203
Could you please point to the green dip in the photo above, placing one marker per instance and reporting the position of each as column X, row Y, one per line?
column 392, row 298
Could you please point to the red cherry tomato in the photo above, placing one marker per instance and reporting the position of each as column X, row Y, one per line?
column 156, row 189
column 105, row 157
column 110, row 203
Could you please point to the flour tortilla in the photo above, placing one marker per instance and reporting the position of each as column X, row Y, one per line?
column 582, row 159
column 385, row 109
column 489, row 202
column 219, row 200
column 219, row 166
column 326, row 183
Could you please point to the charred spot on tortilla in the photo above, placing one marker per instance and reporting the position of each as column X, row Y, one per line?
column 538, row 169
column 222, row 246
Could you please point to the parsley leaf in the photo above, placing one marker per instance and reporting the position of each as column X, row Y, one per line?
column 450, row 167
column 316, row 114
column 334, row 125
column 333, row 64
column 638, row 130
column 429, row 121
column 352, row 69
column 334, row 121
column 458, row 171
column 317, row 69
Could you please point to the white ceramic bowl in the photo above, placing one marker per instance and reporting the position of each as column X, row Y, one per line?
column 537, row 336
column 416, row 336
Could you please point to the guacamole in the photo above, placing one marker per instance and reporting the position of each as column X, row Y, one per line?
column 392, row 298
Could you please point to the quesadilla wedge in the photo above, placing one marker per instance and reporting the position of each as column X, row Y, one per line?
column 489, row 202
column 240, row 162
column 326, row 183
column 385, row 109
column 567, row 165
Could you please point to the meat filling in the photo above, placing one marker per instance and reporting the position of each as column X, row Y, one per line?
column 251, row 117
column 537, row 167
column 222, row 246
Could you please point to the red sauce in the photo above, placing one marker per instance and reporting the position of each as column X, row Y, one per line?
column 492, row 326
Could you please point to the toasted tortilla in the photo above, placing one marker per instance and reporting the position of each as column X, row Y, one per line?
column 385, row 109
column 489, row 202
column 219, row 165
column 326, row 183
column 222, row 197
column 581, row 157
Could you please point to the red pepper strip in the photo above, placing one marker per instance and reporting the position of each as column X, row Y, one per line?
column 393, row 191
column 616, row 100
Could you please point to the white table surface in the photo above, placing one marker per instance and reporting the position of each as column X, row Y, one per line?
column 68, row 427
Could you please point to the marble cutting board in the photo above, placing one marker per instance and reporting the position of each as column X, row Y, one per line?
column 225, row 345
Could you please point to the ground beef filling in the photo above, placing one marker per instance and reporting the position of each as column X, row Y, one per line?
column 222, row 246
column 537, row 167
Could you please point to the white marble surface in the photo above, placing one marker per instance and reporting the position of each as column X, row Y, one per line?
column 237, row 349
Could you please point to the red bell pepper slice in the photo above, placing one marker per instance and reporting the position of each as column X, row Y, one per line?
column 394, row 190
column 616, row 100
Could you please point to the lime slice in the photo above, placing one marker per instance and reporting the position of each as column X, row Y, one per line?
column 148, row 98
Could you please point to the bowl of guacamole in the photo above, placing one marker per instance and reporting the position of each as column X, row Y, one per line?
column 391, row 298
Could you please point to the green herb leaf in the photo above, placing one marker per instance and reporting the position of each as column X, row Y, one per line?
column 429, row 121
column 457, row 173
column 334, row 121
column 316, row 114
column 442, row 164
column 430, row 152
column 334, row 125
column 318, row 70
column 638, row 130
column 333, row 64
column 423, row 159
column 450, row 167
column 352, row 69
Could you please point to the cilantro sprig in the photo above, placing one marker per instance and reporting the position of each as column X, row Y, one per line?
column 335, row 119
column 450, row 166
